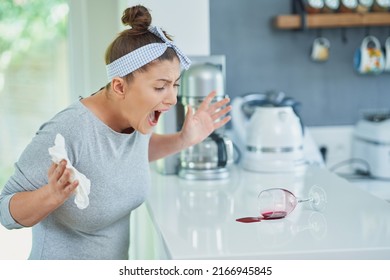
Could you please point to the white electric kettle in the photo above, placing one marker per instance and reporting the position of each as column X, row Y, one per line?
column 270, row 132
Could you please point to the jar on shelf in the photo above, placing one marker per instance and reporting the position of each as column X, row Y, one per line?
column 364, row 6
column 381, row 6
column 348, row 6
column 313, row 6
column 331, row 6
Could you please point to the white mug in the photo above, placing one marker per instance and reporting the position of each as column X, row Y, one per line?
column 387, row 55
column 320, row 49
column 369, row 59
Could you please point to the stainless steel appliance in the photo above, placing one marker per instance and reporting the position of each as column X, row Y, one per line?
column 270, row 133
column 211, row 158
column 371, row 145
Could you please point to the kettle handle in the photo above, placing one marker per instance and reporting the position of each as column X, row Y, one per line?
column 222, row 153
column 238, row 118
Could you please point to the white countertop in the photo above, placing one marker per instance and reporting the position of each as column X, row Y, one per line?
column 379, row 188
column 196, row 219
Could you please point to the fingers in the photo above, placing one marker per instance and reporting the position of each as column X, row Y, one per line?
column 70, row 188
column 59, row 185
column 60, row 176
column 64, row 180
column 189, row 111
column 217, row 110
column 221, row 113
column 217, row 105
column 214, row 106
column 56, row 171
column 206, row 102
column 222, row 122
column 188, row 115
column 64, row 187
column 53, row 167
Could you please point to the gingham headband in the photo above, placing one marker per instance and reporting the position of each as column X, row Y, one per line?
column 143, row 55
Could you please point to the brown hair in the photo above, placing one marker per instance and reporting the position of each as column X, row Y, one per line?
column 139, row 19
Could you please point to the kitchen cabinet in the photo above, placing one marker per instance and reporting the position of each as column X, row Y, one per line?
column 336, row 20
column 196, row 219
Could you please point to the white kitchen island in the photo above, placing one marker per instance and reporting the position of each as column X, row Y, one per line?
column 197, row 219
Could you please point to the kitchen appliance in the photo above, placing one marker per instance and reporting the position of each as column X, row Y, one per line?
column 371, row 145
column 269, row 130
column 211, row 158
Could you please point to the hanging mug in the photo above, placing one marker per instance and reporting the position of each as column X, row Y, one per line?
column 387, row 55
column 320, row 49
column 369, row 59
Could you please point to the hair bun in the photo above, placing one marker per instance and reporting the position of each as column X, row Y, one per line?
column 138, row 17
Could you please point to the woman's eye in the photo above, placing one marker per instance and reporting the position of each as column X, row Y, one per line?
column 163, row 88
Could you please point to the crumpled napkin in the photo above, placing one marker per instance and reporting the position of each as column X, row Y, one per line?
column 58, row 153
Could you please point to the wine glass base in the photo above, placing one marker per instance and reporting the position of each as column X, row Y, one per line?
column 318, row 198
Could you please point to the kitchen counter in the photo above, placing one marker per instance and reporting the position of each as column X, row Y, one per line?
column 196, row 219
column 379, row 188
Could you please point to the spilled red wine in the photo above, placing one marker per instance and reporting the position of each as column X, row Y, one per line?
column 249, row 219
column 272, row 215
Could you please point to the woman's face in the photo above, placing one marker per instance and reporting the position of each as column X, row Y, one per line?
column 150, row 94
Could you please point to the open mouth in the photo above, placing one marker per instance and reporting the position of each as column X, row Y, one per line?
column 153, row 117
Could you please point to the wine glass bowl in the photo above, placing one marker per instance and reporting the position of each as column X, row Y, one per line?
column 276, row 203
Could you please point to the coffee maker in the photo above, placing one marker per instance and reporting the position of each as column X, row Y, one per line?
column 210, row 159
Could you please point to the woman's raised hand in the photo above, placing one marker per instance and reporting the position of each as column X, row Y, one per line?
column 207, row 118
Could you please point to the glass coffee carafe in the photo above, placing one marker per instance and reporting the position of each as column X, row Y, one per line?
column 209, row 159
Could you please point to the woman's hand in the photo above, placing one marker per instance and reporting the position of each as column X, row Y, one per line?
column 59, row 182
column 207, row 118
column 30, row 207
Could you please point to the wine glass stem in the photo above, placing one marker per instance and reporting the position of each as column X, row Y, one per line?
column 305, row 200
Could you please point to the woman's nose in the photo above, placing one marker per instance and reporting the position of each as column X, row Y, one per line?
column 171, row 98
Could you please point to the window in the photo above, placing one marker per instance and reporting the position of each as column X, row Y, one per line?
column 34, row 79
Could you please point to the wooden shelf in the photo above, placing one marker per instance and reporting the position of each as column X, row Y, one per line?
column 333, row 20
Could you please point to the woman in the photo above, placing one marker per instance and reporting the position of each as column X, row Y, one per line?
column 109, row 138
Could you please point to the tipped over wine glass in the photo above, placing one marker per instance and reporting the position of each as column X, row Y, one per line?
column 277, row 203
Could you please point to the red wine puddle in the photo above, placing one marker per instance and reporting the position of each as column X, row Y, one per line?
column 273, row 215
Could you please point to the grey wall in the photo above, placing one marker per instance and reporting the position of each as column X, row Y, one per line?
column 261, row 58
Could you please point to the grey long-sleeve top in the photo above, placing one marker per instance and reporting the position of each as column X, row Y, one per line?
column 117, row 165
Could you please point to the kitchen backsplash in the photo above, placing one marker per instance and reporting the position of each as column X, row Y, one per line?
column 260, row 58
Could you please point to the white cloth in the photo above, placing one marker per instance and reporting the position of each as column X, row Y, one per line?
column 58, row 153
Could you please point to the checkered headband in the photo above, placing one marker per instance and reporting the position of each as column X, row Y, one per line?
column 143, row 55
